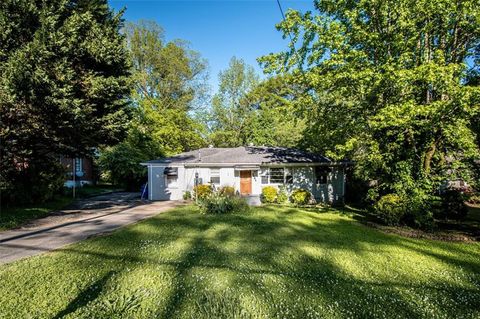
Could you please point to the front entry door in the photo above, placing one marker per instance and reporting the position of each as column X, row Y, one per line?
column 245, row 182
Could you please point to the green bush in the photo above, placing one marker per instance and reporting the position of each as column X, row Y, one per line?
column 300, row 196
column 216, row 203
column 282, row 196
column 227, row 191
column 473, row 198
column 269, row 194
column 453, row 205
column 187, row 195
column 390, row 209
column 202, row 191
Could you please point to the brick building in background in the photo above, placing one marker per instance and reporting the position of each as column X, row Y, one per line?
column 83, row 171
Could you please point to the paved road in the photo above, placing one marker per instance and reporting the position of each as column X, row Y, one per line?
column 85, row 218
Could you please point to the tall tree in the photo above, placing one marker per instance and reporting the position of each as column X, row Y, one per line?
column 388, row 78
column 231, row 109
column 63, row 81
column 169, row 85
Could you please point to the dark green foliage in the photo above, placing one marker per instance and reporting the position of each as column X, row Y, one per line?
column 269, row 194
column 63, row 81
column 390, row 209
column 453, row 205
column 386, row 84
column 217, row 203
column 300, row 197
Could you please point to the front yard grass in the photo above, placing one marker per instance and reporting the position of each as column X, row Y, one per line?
column 12, row 217
column 274, row 262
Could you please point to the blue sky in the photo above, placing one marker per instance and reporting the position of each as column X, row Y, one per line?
column 218, row 29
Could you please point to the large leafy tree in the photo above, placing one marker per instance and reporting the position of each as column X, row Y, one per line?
column 387, row 84
column 232, row 110
column 169, row 86
column 63, row 81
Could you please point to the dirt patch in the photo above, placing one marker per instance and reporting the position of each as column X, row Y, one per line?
column 417, row 233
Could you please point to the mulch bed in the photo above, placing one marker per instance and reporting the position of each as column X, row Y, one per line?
column 441, row 235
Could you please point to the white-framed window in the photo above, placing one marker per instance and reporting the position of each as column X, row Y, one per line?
column 78, row 165
column 215, row 176
column 277, row 175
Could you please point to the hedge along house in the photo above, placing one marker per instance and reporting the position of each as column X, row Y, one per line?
column 248, row 170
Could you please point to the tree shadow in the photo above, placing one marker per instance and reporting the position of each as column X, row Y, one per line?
column 85, row 296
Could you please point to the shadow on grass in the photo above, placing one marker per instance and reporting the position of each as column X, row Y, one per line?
column 281, row 248
column 87, row 295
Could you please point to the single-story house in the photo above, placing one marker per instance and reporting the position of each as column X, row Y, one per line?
column 248, row 170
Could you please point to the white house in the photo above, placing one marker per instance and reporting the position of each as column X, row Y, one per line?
column 248, row 170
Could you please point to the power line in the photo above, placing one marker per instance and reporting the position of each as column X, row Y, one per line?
column 284, row 20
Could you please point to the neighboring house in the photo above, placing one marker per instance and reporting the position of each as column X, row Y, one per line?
column 81, row 166
column 248, row 170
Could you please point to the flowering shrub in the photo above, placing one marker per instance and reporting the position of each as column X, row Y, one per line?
column 202, row 191
column 227, row 191
column 300, row 196
column 269, row 194
column 217, row 203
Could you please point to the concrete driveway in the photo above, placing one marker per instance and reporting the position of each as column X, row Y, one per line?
column 79, row 221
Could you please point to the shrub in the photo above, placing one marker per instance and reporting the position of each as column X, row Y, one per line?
column 474, row 198
column 300, row 196
column 282, row 196
column 390, row 209
column 269, row 194
column 202, row 191
column 187, row 195
column 453, row 205
column 227, row 191
column 219, row 204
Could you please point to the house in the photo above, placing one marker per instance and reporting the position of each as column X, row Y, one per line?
column 248, row 170
column 79, row 171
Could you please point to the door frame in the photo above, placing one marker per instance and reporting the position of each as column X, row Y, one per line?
column 251, row 176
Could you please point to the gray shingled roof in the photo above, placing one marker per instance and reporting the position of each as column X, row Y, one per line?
column 244, row 155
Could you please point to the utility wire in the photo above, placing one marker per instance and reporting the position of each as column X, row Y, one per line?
column 284, row 20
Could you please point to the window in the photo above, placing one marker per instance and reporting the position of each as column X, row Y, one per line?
column 171, row 176
column 264, row 175
column 78, row 165
column 277, row 176
column 321, row 174
column 215, row 176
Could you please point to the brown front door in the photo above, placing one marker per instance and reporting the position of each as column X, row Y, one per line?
column 245, row 182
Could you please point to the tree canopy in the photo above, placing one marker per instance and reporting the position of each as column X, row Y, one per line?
column 387, row 84
column 169, row 85
column 63, row 81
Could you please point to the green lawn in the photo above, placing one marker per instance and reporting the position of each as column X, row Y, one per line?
column 13, row 217
column 270, row 263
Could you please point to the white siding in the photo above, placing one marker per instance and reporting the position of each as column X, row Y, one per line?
column 303, row 177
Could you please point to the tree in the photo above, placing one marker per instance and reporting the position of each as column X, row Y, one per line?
column 387, row 84
column 232, row 111
column 63, row 80
column 275, row 121
column 169, row 85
